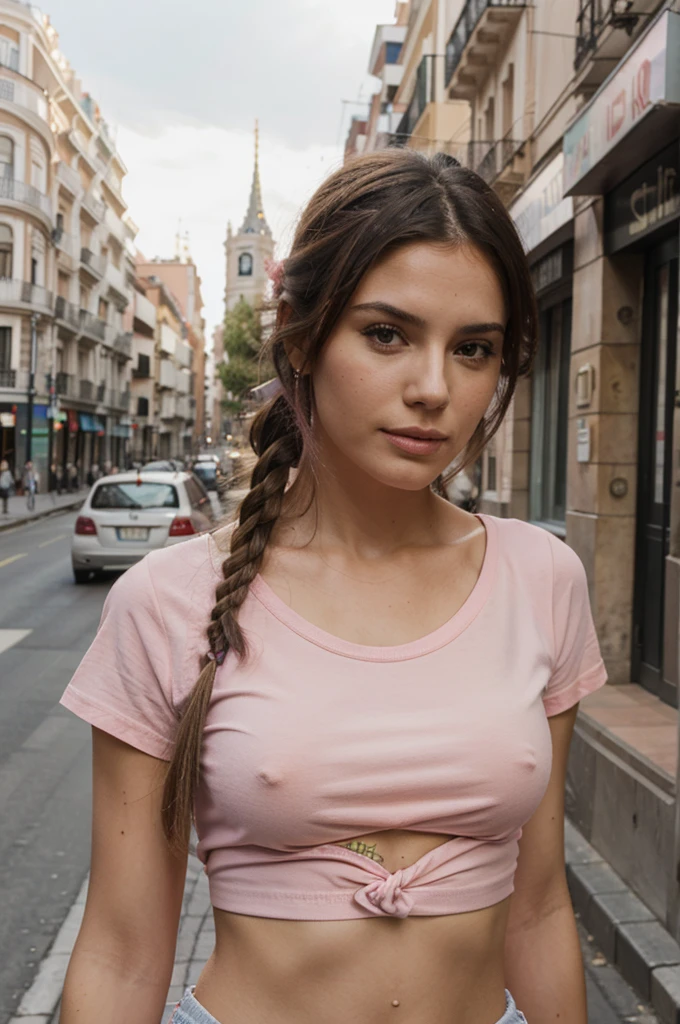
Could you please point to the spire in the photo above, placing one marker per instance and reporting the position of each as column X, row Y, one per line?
column 255, row 223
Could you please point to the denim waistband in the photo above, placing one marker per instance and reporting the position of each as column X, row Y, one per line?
column 190, row 1011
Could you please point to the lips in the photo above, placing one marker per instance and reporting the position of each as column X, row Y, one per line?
column 415, row 445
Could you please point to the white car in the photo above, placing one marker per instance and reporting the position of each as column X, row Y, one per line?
column 127, row 515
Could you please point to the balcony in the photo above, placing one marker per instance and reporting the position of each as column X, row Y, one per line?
column 168, row 407
column 122, row 344
column 68, row 249
column 167, row 377
column 101, row 391
column 92, row 263
column 18, row 91
column 17, row 379
column 94, row 207
column 27, row 195
column 185, row 354
column 25, row 296
column 169, row 340
column 67, row 312
column 69, row 178
column 145, row 311
column 501, row 164
column 65, row 385
column 476, row 42
column 423, row 94
column 117, row 284
column 87, row 391
column 118, row 399
column 115, row 225
column 91, row 326
column 183, row 381
column 605, row 31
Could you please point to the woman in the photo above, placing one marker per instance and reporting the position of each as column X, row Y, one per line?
column 387, row 684
column 6, row 484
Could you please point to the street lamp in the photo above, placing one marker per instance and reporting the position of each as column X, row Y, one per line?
column 31, row 385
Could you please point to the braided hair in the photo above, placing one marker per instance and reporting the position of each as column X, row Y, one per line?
column 369, row 207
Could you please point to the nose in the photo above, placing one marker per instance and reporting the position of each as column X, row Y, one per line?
column 427, row 384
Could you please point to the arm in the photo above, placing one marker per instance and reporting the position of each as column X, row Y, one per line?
column 122, row 961
column 544, row 968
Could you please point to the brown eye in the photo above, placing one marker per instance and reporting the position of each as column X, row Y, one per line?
column 383, row 334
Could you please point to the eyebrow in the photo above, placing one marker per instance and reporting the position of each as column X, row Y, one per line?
column 417, row 321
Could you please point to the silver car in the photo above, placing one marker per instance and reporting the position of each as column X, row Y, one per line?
column 127, row 515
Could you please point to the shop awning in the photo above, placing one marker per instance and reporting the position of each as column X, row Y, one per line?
column 634, row 113
column 90, row 424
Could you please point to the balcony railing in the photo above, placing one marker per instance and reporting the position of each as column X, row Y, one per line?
column 93, row 261
column 92, row 325
column 68, row 312
column 14, row 88
column 122, row 344
column 101, row 391
column 119, row 399
column 64, row 384
column 67, row 244
column 87, row 391
column 22, row 192
column 8, row 378
column 69, row 178
column 465, row 26
column 23, row 293
column 489, row 159
column 423, row 94
column 94, row 207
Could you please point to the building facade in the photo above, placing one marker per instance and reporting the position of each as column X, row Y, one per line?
column 65, row 260
column 573, row 117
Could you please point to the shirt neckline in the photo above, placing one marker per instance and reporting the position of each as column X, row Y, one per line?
column 441, row 636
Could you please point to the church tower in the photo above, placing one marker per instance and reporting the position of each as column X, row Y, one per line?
column 248, row 250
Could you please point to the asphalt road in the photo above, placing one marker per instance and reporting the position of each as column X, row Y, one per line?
column 46, row 625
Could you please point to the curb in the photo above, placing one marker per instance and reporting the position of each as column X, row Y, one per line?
column 25, row 520
column 625, row 929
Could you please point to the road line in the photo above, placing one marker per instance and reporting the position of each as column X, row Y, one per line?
column 10, row 637
column 62, row 536
column 13, row 558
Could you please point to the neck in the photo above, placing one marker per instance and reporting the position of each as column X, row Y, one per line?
column 366, row 518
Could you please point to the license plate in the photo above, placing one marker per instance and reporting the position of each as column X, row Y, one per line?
column 133, row 533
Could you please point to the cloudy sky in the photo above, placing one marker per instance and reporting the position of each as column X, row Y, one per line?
column 181, row 85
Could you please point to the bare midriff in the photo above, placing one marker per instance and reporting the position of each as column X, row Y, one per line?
column 415, row 970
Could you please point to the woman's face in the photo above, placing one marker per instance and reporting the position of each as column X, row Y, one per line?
column 417, row 351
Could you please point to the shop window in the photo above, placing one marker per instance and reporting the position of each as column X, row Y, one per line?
column 5, row 348
column 6, row 157
column 6, row 250
column 549, row 416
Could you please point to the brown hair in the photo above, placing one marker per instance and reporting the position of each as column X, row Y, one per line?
column 369, row 207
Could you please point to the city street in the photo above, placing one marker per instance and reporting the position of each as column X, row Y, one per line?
column 46, row 624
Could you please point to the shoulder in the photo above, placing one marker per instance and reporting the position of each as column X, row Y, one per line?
column 534, row 552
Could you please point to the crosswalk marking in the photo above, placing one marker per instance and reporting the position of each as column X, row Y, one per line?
column 12, row 558
column 62, row 536
column 10, row 637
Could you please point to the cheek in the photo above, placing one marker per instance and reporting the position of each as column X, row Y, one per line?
column 349, row 387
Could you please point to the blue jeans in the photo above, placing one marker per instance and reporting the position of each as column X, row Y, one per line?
column 190, row 1011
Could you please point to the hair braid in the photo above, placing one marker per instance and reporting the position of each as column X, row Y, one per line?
column 275, row 428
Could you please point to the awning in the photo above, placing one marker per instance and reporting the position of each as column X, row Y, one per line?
column 91, row 424
column 634, row 113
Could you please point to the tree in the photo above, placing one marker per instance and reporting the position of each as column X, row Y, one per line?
column 242, row 344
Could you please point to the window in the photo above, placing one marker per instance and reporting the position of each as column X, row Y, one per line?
column 508, row 102
column 103, row 310
column 34, row 270
column 549, row 416
column 245, row 265
column 143, row 366
column 5, row 348
column 6, row 250
column 392, row 51
column 132, row 495
column 9, row 54
column 142, row 406
column 6, row 157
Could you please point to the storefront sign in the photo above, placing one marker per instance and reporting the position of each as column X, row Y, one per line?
column 646, row 201
column 7, row 419
column 542, row 208
column 647, row 77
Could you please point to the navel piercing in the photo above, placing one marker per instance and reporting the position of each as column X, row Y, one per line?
column 217, row 656
column 395, row 1002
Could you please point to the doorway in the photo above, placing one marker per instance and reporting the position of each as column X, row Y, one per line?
column 657, row 399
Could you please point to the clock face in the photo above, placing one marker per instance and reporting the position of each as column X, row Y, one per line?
column 245, row 265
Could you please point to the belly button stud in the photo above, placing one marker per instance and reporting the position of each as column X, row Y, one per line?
column 395, row 1002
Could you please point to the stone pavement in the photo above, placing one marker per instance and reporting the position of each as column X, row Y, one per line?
column 45, row 505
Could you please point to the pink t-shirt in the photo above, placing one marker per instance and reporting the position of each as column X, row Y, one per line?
column 316, row 739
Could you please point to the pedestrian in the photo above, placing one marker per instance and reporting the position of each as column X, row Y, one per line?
column 29, row 482
column 6, row 485
column 72, row 476
column 59, row 478
column 361, row 694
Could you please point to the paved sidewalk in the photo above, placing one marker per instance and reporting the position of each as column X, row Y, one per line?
column 45, row 505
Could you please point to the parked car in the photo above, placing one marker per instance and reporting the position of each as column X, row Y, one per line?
column 210, row 474
column 163, row 466
column 127, row 515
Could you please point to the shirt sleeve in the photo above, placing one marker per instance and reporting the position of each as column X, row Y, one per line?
column 578, row 668
column 123, row 684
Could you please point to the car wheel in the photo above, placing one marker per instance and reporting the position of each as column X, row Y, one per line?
column 81, row 575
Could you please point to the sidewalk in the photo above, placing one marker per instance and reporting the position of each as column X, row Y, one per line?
column 45, row 505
